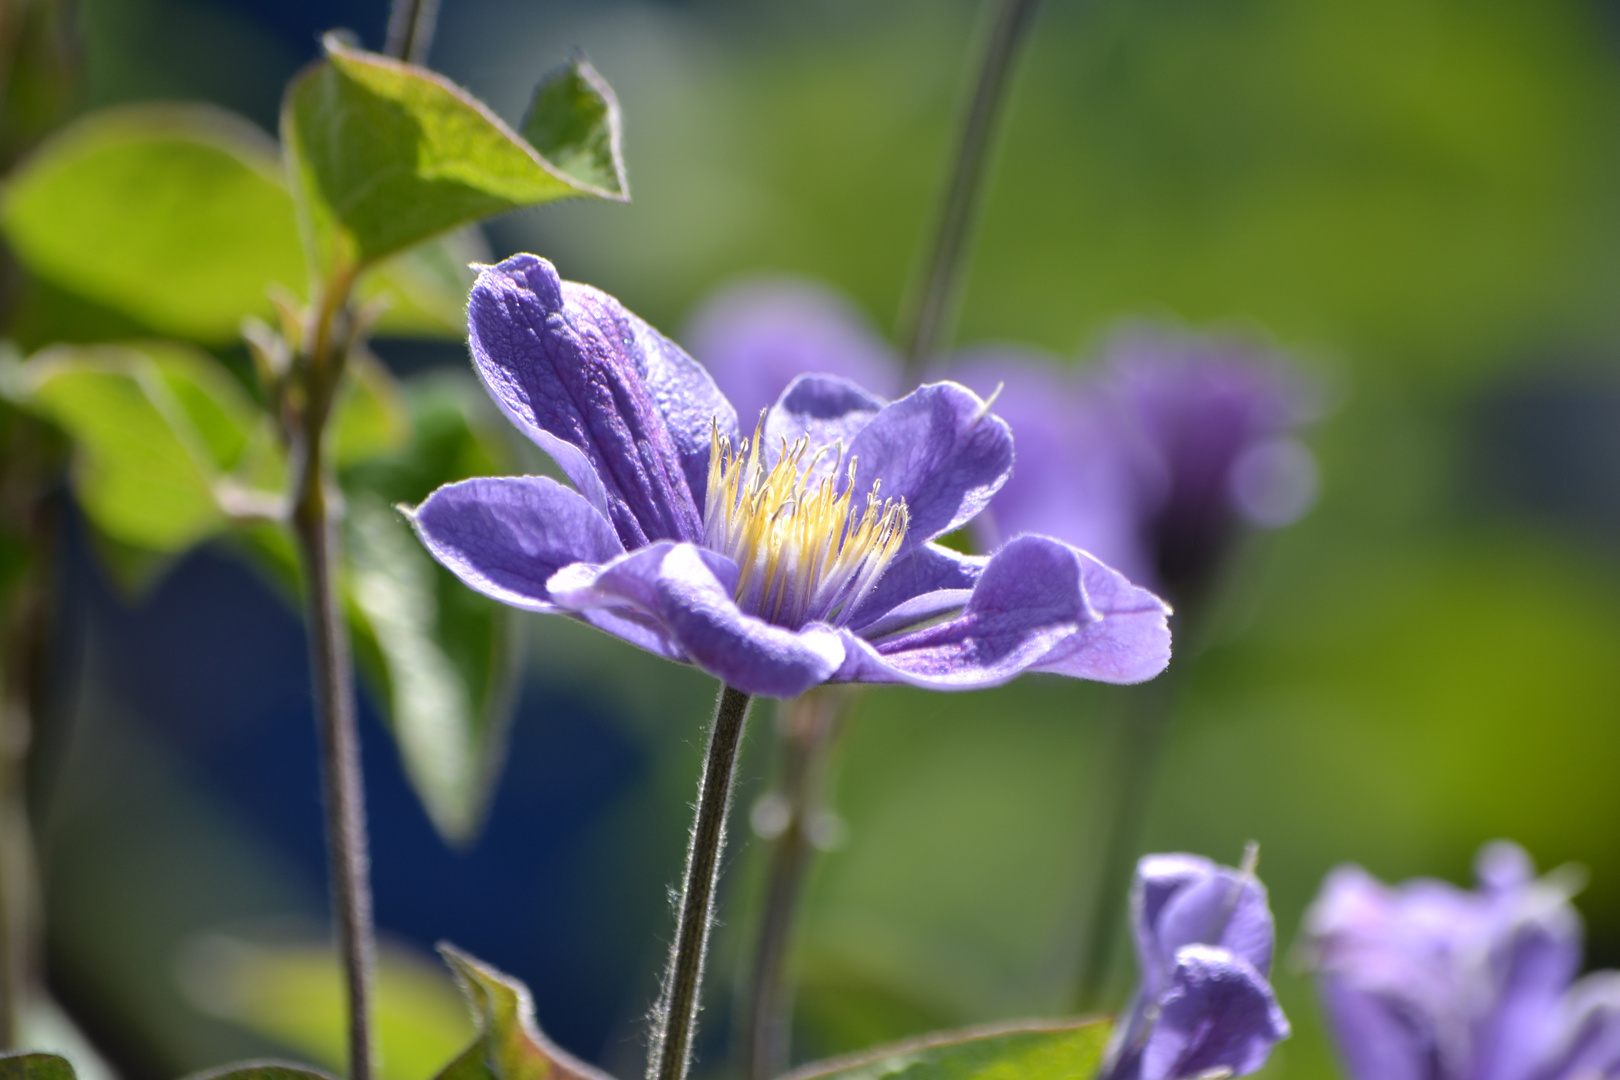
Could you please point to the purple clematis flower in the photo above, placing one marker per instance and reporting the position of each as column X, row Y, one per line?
column 799, row 556
column 1153, row 463
column 1426, row 981
column 1204, row 938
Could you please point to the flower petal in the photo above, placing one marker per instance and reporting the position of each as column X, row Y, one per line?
column 1224, row 909
column 506, row 535
column 1129, row 643
column 1028, row 599
column 1219, row 1013
column 940, row 450
column 828, row 410
column 756, row 336
column 625, row 413
column 1377, row 1039
column 687, row 591
column 930, row 568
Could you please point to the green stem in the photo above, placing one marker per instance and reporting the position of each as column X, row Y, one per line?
column 809, row 728
column 925, row 321
column 332, row 672
column 19, row 873
column 675, row 1021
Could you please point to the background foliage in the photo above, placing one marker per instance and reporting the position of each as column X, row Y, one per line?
column 1421, row 198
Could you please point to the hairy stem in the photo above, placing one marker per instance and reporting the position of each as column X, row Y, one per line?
column 332, row 672
column 809, row 728
column 1142, row 726
column 410, row 29
column 932, row 302
column 675, row 1021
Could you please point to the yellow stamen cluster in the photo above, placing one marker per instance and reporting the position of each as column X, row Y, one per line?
column 807, row 553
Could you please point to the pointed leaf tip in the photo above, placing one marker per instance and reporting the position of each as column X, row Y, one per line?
column 573, row 120
column 509, row 1046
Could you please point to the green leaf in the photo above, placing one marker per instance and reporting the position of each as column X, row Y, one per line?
column 263, row 1070
column 444, row 680
column 1019, row 1050
column 385, row 154
column 573, row 120
column 175, row 216
column 440, row 659
column 156, row 425
column 293, row 994
column 509, row 1045
column 28, row 1066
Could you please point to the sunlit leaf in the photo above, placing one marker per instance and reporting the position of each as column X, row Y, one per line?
column 28, row 1066
column 442, row 680
column 173, row 215
column 440, row 658
column 509, row 1045
column 1020, row 1050
column 385, row 154
column 293, row 994
column 573, row 120
column 156, row 425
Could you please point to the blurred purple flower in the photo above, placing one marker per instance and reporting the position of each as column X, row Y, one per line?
column 1426, row 981
column 1204, row 938
column 800, row 556
column 1152, row 463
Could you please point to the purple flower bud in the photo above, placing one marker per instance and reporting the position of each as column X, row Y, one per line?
column 1426, row 981
column 1204, row 939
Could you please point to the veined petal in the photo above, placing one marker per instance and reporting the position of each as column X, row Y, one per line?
column 827, row 410
column 506, row 535
column 941, row 450
column 1219, row 1012
column 687, row 590
column 1128, row 643
column 1028, row 599
column 568, row 364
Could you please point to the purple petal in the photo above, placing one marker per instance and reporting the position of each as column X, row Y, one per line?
column 829, row 411
column 928, row 570
column 1377, row 1039
column 1157, row 881
column 686, row 591
column 626, row 414
column 1535, row 959
column 1028, row 599
column 1218, row 1013
column 1224, row 909
column 1129, row 643
column 940, row 450
column 1590, row 1045
column 505, row 536
column 756, row 337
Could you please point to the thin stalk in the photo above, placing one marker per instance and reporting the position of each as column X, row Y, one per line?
column 332, row 671
column 1143, row 724
column 928, row 314
column 675, row 1020
column 810, row 725
column 410, row 29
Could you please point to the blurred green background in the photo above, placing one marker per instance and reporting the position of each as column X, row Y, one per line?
column 1419, row 198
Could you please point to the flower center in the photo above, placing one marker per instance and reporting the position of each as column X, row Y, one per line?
column 806, row 552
